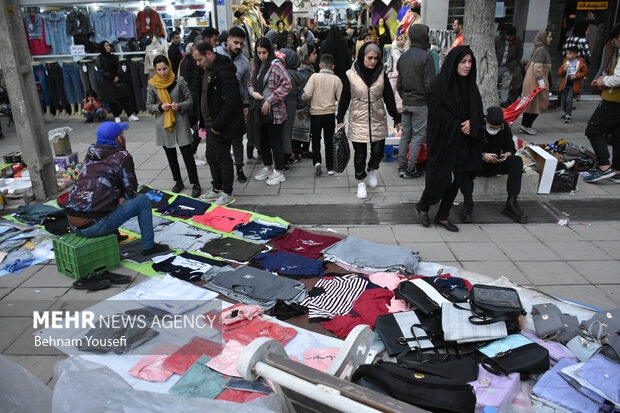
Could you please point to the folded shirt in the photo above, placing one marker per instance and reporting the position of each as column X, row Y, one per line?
column 184, row 207
column 232, row 249
column 222, row 219
column 290, row 264
column 304, row 243
column 259, row 230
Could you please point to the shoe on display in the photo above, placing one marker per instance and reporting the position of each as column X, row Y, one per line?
column 210, row 196
column 372, row 179
column 361, row 191
column 225, row 199
column 317, row 169
column 276, row 178
column 599, row 174
column 134, row 118
column 263, row 174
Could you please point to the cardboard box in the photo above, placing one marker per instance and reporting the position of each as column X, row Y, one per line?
column 546, row 164
column 64, row 161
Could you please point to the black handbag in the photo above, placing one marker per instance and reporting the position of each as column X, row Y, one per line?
column 451, row 366
column 528, row 359
column 399, row 338
column 426, row 391
column 342, row 151
column 490, row 304
column 415, row 296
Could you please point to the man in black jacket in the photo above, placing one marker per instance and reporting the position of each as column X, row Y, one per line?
column 221, row 113
column 498, row 158
column 509, row 51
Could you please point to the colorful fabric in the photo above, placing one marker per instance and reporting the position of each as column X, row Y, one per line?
column 334, row 296
column 200, row 381
column 182, row 359
column 320, row 358
column 223, row 219
column 259, row 230
column 304, row 243
column 226, row 361
column 261, row 328
column 151, row 367
column 241, row 312
column 184, row 207
column 290, row 264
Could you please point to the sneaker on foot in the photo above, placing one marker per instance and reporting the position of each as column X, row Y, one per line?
column 317, row 169
column 211, row 195
column 330, row 172
column 413, row 173
column 155, row 249
column 263, row 174
column 225, row 199
column 276, row 178
column 529, row 131
column 567, row 119
column 615, row 179
column 401, row 171
column 372, row 178
column 599, row 174
column 199, row 161
column 563, row 116
column 117, row 120
column 361, row 191
column 134, row 118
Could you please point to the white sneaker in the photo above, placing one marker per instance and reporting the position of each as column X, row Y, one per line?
column 117, row 120
column 225, row 199
column 134, row 118
column 317, row 169
column 263, row 174
column 276, row 178
column 211, row 195
column 372, row 178
column 199, row 161
column 361, row 190
column 330, row 172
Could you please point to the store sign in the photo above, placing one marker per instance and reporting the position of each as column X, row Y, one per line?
column 592, row 5
column 77, row 51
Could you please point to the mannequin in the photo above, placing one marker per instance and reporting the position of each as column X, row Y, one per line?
column 48, row 109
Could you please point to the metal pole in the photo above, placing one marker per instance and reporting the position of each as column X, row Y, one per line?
column 15, row 61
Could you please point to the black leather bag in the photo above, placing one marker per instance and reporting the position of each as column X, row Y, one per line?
column 396, row 340
column 450, row 366
column 417, row 297
column 490, row 304
column 528, row 359
column 426, row 391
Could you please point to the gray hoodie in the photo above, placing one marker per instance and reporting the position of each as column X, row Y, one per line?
column 416, row 68
column 243, row 71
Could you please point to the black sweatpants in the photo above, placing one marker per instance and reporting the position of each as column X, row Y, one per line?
column 604, row 123
column 446, row 200
column 528, row 119
column 188, row 158
column 325, row 124
column 512, row 166
column 220, row 162
column 359, row 158
column 271, row 146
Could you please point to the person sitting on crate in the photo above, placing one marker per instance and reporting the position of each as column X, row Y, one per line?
column 104, row 195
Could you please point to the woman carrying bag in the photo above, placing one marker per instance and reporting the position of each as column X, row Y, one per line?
column 169, row 99
column 366, row 92
column 537, row 75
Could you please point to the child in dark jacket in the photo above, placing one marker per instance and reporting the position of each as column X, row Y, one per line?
column 92, row 108
column 572, row 71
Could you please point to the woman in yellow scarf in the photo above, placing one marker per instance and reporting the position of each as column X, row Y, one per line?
column 168, row 98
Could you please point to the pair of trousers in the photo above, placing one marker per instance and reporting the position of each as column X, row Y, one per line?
column 528, row 119
column 139, row 82
column 41, row 78
column 359, row 158
column 139, row 206
column 99, row 114
column 253, row 134
column 220, row 162
column 413, row 135
column 325, row 124
column 188, row 158
column 56, row 85
column 237, row 148
column 88, row 76
column 287, row 126
column 271, row 145
column 447, row 198
column 126, row 76
column 511, row 166
column 567, row 98
column 73, row 84
column 505, row 78
column 604, row 129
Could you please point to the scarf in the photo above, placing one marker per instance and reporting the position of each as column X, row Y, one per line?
column 164, row 96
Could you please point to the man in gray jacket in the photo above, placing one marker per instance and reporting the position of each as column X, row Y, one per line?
column 416, row 69
column 232, row 49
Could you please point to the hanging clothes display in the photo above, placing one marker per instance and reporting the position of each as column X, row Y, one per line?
column 56, row 33
column 125, row 25
column 34, row 24
column 73, row 84
column 88, row 76
column 149, row 21
column 154, row 49
column 103, row 26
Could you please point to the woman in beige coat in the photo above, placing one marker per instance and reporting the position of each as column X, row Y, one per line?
column 537, row 75
column 365, row 90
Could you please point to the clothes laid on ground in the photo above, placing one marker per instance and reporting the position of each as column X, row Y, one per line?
column 372, row 256
column 456, row 326
column 151, row 367
column 283, row 310
column 290, row 264
column 158, row 198
column 253, row 286
column 241, row 312
column 132, row 223
column 183, row 236
column 35, row 213
column 334, row 296
column 223, row 219
column 304, row 243
column 200, row 381
column 184, row 207
column 182, row 359
column 259, row 385
column 366, row 309
column 320, row 358
column 132, row 251
column 232, row 249
column 239, row 396
column 187, row 267
column 134, row 337
column 14, row 238
column 261, row 328
column 260, row 230
column 226, row 361
column 386, row 279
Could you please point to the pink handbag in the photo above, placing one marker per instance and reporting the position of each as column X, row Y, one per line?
column 495, row 391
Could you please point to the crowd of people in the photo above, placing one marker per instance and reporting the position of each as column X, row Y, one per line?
column 218, row 88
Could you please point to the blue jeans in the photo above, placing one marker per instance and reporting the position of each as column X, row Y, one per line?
column 73, row 85
column 567, row 98
column 139, row 206
column 99, row 114
column 40, row 76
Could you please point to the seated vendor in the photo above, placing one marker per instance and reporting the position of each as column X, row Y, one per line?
column 104, row 195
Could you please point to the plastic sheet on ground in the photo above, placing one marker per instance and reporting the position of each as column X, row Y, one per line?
column 20, row 391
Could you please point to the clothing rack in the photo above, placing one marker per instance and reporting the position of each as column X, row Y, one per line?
column 62, row 56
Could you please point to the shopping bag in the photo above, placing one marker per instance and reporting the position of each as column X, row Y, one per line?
column 301, row 126
column 342, row 151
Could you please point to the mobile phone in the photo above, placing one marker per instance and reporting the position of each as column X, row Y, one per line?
column 501, row 158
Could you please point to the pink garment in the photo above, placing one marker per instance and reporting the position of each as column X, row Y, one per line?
column 239, row 396
column 386, row 280
column 320, row 358
column 185, row 356
column 242, row 312
column 223, row 219
column 151, row 367
column 226, row 361
column 396, row 306
column 260, row 328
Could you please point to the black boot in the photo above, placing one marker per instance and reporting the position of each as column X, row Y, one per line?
column 467, row 214
column 196, row 191
column 513, row 211
column 178, row 187
column 241, row 176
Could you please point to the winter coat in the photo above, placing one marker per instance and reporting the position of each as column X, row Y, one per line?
column 108, row 67
column 242, row 63
column 582, row 71
column 515, row 52
column 192, row 74
column 416, row 68
column 107, row 174
column 181, row 135
column 538, row 69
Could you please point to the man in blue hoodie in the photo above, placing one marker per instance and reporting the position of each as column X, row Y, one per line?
column 104, row 195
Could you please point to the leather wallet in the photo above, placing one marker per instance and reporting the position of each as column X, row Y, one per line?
column 583, row 348
column 571, row 328
column 547, row 320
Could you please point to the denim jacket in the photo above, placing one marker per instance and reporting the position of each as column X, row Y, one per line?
column 34, row 30
column 56, row 33
column 103, row 25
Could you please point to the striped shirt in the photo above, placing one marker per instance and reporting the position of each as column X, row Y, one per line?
column 336, row 298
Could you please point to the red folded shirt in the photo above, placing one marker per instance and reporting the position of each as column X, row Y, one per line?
column 304, row 243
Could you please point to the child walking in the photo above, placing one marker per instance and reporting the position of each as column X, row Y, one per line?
column 573, row 69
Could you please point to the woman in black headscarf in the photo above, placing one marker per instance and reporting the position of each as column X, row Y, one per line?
column 336, row 45
column 455, row 127
column 109, row 68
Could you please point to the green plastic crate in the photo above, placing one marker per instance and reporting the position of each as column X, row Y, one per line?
column 78, row 256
